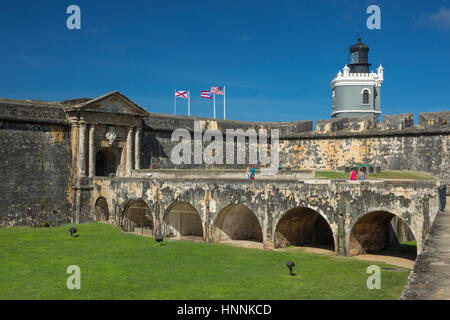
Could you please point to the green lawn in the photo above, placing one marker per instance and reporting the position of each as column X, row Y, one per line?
column 331, row 174
column 115, row 265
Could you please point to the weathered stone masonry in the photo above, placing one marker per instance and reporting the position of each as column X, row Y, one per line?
column 35, row 165
column 53, row 155
column 392, row 144
column 340, row 203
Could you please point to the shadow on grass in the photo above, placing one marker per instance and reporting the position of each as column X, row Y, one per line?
column 406, row 250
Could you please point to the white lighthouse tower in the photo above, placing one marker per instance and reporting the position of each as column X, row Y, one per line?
column 355, row 92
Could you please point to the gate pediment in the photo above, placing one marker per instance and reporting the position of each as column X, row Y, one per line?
column 112, row 108
column 112, row 102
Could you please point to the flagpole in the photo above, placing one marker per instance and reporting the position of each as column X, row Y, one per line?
column 175, row 102
column 189, row 103
column 224, row 105
column 214, row 100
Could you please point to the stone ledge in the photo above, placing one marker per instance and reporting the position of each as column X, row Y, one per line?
column 220, row 174
column 34, row 120
column 367, row 183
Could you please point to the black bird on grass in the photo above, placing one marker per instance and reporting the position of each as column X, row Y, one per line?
column 72, row 231
column 159, row 238
column 290, row 264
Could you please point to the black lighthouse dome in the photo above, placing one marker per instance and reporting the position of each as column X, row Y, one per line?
column 359, row 57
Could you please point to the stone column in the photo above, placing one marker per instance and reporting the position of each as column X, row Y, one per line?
column 82, row 150
column 75, row 134
column 207, row 215
column 78, row 206
column 341, row 212
column 91, row 151
column 129, row 152
column 137, row 149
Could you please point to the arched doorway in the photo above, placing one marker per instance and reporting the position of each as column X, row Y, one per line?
column 373, row 233
column 183, row 222
column 137, row 218
column 237, row 222
column 303, row 226
column 105, row 163
column 101, row 210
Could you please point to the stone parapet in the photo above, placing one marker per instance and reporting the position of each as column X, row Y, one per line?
column 435, row 119
column 397, row 121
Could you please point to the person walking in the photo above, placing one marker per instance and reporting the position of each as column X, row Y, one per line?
column 353, row 175
column 247, row 173
column 252, row 172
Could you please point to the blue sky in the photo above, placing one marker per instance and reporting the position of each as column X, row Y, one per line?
column 276, row 57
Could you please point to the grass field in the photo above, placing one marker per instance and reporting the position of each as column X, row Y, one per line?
column 330, row 174
column 115, row 265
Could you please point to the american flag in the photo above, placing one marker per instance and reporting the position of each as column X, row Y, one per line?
column 217, row 90
column 206, row 94
column 182, row 94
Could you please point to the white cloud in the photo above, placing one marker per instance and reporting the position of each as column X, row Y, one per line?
column 439, row 19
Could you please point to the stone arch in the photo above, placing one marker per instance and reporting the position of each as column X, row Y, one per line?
column 371, row 232
column 105, row 162
column 183, row 221
column 304, row 226
column 237, row 222
column 101, row 209
column 137, row 217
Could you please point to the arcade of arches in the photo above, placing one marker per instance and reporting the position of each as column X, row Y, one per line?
column 374, row 232
column 101, row 210
column 137, row 218
column 183, row 221
column 237, row 222
column 300, row 226
column 303, row 226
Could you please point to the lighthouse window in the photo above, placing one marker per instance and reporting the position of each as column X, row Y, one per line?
column 355, row 57
column 365, row 94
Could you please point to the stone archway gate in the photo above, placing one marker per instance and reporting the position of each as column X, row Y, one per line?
column 340, row 202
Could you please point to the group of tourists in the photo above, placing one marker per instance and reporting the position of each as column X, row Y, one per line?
column 362, row 174
column 250, row 173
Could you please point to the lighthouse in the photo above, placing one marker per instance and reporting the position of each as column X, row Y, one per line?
column 355, row 91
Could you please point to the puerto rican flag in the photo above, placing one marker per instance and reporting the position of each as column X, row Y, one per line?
column 206, row 94
column 217, row 90
column 182, row 94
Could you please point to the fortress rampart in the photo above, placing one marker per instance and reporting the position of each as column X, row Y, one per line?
column 393, row 144
column 40, row 171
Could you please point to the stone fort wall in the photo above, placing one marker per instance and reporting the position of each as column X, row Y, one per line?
column 35, row 170
column 37, row 166
column 395, row 143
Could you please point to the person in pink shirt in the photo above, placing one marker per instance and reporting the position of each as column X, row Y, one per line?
column 353, row 175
